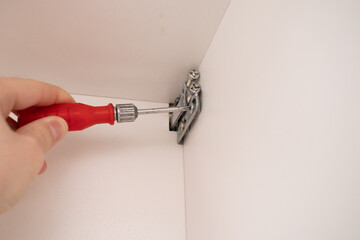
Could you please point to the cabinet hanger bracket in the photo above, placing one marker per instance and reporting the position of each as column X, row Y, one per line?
column 190, row 98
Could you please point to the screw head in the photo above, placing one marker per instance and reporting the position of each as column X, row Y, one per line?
column 195, row 88
column 194, row 74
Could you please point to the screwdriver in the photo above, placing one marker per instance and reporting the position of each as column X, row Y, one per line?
column 80, row 116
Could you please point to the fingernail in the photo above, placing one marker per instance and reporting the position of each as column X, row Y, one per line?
column 56, row 130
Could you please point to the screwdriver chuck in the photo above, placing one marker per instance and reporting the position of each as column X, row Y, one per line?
column 125, row 112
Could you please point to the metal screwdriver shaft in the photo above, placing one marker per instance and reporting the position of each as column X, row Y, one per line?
column 162, row 110
column 129, row 112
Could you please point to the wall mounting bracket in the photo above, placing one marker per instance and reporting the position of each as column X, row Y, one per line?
column 190, row 97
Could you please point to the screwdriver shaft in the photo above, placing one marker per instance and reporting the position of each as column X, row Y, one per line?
column 162, row 110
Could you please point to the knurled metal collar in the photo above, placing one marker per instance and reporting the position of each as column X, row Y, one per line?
column 125, row 112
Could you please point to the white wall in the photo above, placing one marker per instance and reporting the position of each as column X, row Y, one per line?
column 276, row 151
column 108, row 47
column 107, row 182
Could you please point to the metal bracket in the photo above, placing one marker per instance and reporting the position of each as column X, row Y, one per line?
column 190, row 98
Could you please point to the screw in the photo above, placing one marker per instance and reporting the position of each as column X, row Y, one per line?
column 195, row 88
column 194, row 76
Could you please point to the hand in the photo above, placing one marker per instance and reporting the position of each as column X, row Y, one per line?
column 22, row 150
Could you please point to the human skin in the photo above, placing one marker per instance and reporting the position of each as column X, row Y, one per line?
column 22, row 150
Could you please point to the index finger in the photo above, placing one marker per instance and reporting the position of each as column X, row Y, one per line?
column 18, row 94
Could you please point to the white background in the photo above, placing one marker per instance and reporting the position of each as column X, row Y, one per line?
column 116, row 48
column 276, row 151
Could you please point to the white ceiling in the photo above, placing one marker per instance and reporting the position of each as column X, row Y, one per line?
column 117, row 48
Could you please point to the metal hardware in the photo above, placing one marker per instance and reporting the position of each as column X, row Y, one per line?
column 190, row 98
column 126, row 112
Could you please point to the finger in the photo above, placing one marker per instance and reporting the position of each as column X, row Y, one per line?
column 18, row 94
column 46, row 131
column 12, row 123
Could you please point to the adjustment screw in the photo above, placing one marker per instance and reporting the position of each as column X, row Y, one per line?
column 195, row 88
column 194, row 76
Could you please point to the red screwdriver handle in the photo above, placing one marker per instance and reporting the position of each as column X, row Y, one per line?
column 77, row 115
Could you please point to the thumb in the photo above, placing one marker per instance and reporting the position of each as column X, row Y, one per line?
column 46, row 131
